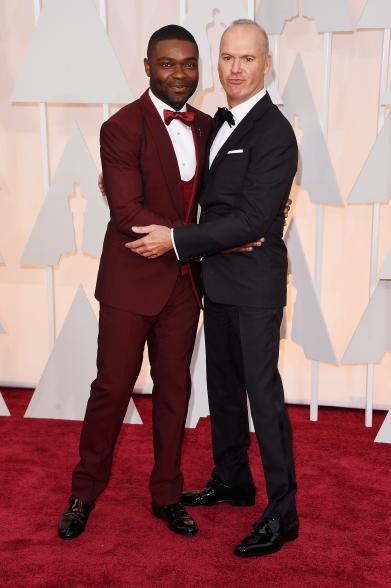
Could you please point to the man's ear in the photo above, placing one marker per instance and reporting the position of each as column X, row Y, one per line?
column 146, row 67
column 268, row 64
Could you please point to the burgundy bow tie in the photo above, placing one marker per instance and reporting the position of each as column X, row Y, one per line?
column 186, row 117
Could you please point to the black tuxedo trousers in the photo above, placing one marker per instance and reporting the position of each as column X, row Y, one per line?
column 242, row 355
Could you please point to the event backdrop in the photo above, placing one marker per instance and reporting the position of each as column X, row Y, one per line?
column 69, row 64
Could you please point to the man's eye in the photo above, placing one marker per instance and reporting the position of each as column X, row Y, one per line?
column 166, row 64
column 249, row 59
column 190, row 65
column 226, row 58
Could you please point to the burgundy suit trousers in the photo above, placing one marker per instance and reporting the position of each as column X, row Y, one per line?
column 170, row 337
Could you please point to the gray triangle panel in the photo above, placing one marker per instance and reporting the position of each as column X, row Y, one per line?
column 385, row 272
column 64, row 387
column 309, row 329
column 3, row 407
column 314, row 155
column 376, row 15
column 199, row 15
column 70, row 59
column 384, row 433
column 374, row 180
column 372, row 337
column 199, row 404
column 53, row 233
column 272, row 15
column 387, row 96
column 330, row 16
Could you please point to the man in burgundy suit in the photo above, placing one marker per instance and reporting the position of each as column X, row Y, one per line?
column 152, row 153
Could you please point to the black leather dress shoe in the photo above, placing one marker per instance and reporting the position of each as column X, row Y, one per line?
column 215, row 492
column 177, row 518
column 74, row 519
column 268, row 536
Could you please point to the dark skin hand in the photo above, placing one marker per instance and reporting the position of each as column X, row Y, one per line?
column 243, row 249
column 142, row 250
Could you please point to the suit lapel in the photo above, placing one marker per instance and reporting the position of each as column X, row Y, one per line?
column 199, row 138
column 216, row 127
column 165, row 152
column 242, row 129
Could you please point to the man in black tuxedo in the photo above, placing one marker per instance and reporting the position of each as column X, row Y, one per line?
column 252, row 163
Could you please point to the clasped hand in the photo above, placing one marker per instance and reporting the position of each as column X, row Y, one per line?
column 157, row 242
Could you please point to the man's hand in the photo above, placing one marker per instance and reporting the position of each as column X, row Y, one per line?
column 287, row 209
column 101, row 185
column 156, row 243
column 246, row 248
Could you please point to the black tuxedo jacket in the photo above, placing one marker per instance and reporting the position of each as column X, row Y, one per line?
column 243, row 199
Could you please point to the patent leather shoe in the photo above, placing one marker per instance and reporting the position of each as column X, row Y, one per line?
column 216, row 492
column 177, row 518
column 74, row 519
column 267, row 536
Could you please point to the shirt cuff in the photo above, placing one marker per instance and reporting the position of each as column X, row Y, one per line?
column 173, row 243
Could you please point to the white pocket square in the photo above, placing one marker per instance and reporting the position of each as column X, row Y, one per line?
column 235, row 151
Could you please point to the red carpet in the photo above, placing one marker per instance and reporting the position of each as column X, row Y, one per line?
column 344, row 503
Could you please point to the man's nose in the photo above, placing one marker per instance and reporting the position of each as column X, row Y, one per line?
column 236, row 65
column 179, row 72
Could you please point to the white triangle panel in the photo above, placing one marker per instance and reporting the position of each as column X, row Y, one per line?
column 384, row 433
column 330, row 16
column 200, row 18
column 2, row 330
column 64, row 387
column 271, row 87
column 309, row 329
column 372, row 337
column 376, row 15
column 385, row 272
column 70, row 59
column 387, row 96
column 271, row 15
column 314, row 155
column 53, row 233
column 374, row 181
column 3, row 407
column 198, row 405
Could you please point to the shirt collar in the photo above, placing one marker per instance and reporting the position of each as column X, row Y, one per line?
column 240, row 111
column 160, row 105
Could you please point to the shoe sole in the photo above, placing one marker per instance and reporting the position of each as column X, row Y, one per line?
column 288, row 538
column 244, row 502
column 68, row 537
column 185, row 533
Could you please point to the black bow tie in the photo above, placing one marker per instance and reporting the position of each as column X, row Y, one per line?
column 225, row 115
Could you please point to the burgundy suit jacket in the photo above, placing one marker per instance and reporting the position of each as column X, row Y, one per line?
column 143, row 187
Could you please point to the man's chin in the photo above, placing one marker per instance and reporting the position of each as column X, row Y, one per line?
column 178, row 99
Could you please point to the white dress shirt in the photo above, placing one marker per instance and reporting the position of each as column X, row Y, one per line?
column 238, row 112
column 182, row 139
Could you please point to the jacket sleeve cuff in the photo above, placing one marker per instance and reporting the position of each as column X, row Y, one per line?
column 173, row 244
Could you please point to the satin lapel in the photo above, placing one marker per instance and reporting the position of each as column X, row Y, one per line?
column 242, row 129
column 200, row 147
column 165, row 152
column 216, row 128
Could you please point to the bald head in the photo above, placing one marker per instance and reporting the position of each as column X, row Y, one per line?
column 259, row 31
column 244, row 60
